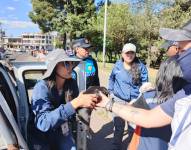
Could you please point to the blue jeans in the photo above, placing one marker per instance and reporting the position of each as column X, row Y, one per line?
column 51, row 141
column 119, row 125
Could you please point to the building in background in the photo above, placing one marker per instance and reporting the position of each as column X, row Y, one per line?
column 29, row 42
column 12, row 43
column 37, row 41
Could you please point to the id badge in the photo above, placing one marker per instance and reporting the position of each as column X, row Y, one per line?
column 65, row 128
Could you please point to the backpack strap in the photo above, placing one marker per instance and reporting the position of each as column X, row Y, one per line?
column 179, row 131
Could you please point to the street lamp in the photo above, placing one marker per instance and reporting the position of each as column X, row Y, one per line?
column 104, row 32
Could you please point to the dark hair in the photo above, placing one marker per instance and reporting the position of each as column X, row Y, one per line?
column 168, row 71
column 68, row 88
column 135, row 71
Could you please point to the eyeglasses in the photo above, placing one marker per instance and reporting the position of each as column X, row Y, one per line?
column 69, row 64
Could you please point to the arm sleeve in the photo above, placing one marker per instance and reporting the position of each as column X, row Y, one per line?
column 46, row 117
column 168, row 106
column 111, row 82
column 144, row 74
column 96, row 81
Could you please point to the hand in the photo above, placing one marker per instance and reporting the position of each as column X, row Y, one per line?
column 104, row 100
column 85, row 100
column 147, row 86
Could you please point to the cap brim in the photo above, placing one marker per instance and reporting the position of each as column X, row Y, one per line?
column 167, row 44
column 86, row 45
column 175, row 35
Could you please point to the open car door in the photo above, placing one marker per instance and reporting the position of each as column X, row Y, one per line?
column 27, row 74
column 10, row 132
column 10, row 129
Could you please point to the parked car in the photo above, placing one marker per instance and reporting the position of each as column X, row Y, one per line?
column 17, row 80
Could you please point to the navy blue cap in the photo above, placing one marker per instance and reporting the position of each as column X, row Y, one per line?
column 84, row 43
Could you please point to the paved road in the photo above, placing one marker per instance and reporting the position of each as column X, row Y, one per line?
column 101, row 124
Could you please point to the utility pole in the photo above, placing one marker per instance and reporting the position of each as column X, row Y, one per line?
column 2, row 34
column 104, row 32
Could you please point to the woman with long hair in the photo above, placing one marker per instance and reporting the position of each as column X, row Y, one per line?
column 127, row 76
column 165, row 87
column 54, row 102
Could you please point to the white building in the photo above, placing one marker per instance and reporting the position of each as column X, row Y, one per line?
column 37, row 41
column 12, row 43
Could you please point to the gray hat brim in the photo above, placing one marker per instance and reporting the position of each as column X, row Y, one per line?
column 168, row 44
column 175, row 34
column 58, row 56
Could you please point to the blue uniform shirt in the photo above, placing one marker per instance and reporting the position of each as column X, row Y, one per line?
column 50, row 112
column 121, row 84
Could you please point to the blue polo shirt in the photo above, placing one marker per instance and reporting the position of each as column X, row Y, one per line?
column 121, row 82
column 168, row 106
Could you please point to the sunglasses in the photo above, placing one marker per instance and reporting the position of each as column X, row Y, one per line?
column 69, row 64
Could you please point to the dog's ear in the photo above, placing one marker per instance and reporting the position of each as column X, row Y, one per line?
column 104, row 90
column 91, row 90
column 96, row 89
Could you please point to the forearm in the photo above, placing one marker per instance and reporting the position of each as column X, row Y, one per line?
column 52, row 119
column 141, row 117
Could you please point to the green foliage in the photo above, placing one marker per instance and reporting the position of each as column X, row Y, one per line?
column 138, row 22
column 68, row 17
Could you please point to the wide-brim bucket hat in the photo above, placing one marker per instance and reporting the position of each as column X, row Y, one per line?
column 56, row 56
column 177, row 35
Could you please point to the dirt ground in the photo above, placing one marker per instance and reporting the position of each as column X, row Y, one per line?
column 101, row 121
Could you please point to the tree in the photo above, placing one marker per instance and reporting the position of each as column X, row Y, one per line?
column 139, row 20
column 177, row 14
column 118, row 29
column 68, row 17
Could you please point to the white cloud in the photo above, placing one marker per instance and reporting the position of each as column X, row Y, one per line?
column 10, row 8
column 16, row 24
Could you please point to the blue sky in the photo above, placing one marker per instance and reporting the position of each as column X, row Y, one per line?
column 14, row 17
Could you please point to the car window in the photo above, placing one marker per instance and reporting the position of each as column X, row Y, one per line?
column 32, row 76
column 30, row 79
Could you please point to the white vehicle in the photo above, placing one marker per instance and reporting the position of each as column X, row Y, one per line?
column 17, row 80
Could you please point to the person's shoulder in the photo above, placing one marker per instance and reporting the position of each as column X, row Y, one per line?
column 168, row 106
column 41, row 84
column 91, row 58
column 141, row 63
column 118, row 62
column 142, row 66
column 187, row 89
